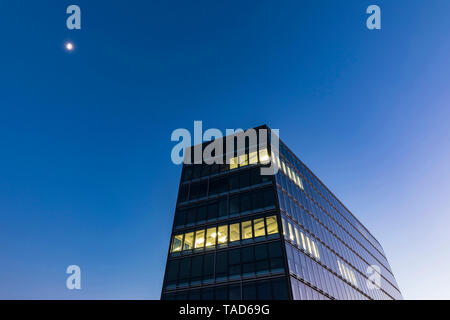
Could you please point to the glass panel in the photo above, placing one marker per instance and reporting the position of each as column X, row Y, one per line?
column 176, row 243
column 291, row 233
column 188, row 241
column 222, row 235
column 234, row 232
column 233, row 163
column 243, row 160
column 211, row 236
column 297, row 237
column 247, row 230
column 303, row 241
column 272, row 225
column 199, row 239
column 264, row 156
column 253, row 157
column 258, row 225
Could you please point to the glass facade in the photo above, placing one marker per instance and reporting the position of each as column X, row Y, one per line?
column 238, row 234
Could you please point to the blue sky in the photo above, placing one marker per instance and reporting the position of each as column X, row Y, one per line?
column 85, row 170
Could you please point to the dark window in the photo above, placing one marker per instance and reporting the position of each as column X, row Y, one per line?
column 234, row 205
column 212, row 211
column 217, row 186
column 172, row 272
column 248, row 261
column 180, row 216
column 190, row 216
column 198, row 190
column 184, row 193
column 185, row 267
column 222, row 207
column 205, row 170
column 261, row 257
column 194, row 294
column 234, row 262
column 221, row 265
column 275, row 254
column 234, row 292
column 257, row 198
column 196, row 269
column 249, row 291
column 221, row 293
column 208, row 294
column 263, row 290
column 279, row 289
column 208, row 267
column 196, row 172
column 214, row 168
column 244, row 179
column 269, row 198
column 201, row 214
column 255, row 176
column 187, row 173
column 234, row 182
column 246, row 202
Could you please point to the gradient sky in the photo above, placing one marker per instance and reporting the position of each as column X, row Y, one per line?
column 85, row 170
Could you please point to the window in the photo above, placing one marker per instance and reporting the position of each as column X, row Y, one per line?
column 234, row 205
column 291, row 233
column 253, row 157
column 243, row 160
column 272, row 225
column 176, row 243
column 211, row 236
column 233, row 163
column 188, row 241
column 297, row 237
column 258, row 225
column 309, row 245
column 199, row 239
column 222, row 208
column 315, row 249
column 247, row 230
column 222, row 234
column 303, row 241
column 264, row 156
column 234, row 232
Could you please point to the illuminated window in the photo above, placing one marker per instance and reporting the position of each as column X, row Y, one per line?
column 253, row 157
column 283, row 167
column 289, row 172
column 272, row 225
column 176, row 243
column 234, row 232
column 300, row 184
column 303, row 241
column 211, row 235
column 247, row 230
column 243, row 160
column 222, row 234
column 258, row 225
column 283, row 221
column 316, row 250
column 309, row 245
column 278, row 162
column 188, row 241
column 233, row 163
column 297, row 237
column 291, row 233
column 199, row 239
column 264, row 156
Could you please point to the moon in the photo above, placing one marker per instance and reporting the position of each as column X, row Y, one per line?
column 69, row 46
